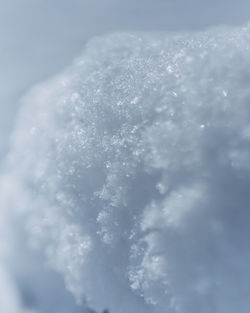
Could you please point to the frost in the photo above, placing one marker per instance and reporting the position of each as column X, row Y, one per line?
column 129, row 174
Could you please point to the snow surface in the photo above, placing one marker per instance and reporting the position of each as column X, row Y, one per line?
column 39, row 38
column 129, row 174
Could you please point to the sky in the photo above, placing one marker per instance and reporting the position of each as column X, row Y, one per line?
column 40, row 38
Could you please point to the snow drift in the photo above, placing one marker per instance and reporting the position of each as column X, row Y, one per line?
column 129, row 175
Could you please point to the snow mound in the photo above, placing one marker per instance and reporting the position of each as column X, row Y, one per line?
column 130, row 172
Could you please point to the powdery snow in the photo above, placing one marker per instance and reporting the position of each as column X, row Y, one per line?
column 129, row 173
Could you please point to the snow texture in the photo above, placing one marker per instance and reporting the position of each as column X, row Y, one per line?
column 129, row 176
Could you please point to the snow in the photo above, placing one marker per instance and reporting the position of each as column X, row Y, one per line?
column 10, row 300
column 128, row 175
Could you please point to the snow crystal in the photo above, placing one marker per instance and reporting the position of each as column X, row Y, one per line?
column 129, row 173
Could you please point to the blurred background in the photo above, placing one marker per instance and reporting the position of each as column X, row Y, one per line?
column 39, row 38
